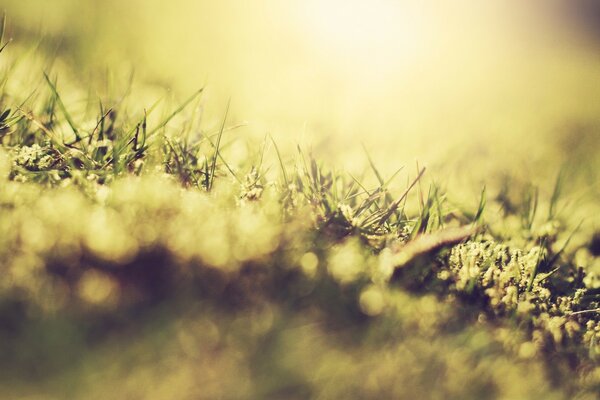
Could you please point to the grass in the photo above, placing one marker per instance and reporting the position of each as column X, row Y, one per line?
column 136, row 238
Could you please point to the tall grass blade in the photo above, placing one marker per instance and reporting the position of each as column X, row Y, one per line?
column 62, row 107
column 213, row 167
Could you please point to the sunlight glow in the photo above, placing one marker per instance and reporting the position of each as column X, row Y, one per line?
column 357, row 29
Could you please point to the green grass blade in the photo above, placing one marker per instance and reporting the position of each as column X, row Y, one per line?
column 283, row 171
column 62, row 107
column 213, row 167
column 179, row 109
column 481, row 206
column 556, row 193
column 373, row 167
column 394, row 206
column 2, row 33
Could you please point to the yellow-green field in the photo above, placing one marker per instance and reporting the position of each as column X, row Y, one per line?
column 289, row 200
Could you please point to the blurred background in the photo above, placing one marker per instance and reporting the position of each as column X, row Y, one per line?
column 409, row 79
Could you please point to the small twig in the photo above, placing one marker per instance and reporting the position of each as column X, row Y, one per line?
column 428, row 243
column 594, row 310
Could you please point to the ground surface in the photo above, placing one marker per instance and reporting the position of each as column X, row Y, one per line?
column 149, row 254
